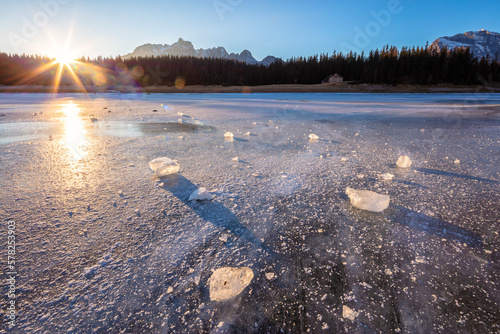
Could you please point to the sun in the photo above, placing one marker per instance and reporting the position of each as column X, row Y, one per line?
column 64, row 58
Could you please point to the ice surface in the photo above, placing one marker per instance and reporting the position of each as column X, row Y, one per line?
column 227, row 283
column 368, row 200
column 164, row 166
column 200, row 194
column 429, row 263
column 404, row 161
column 386, row 177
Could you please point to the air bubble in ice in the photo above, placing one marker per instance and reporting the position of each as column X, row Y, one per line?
column 368, row 200
column 228, row 282
column 164, row 166
column 200, row 194
column 404, row 161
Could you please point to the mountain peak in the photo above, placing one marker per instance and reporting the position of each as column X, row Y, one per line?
column 186, row 48
column 481, row 43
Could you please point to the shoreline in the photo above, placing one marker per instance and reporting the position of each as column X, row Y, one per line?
column 318, row 88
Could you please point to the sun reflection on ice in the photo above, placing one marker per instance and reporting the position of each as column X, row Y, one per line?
column 74, row 131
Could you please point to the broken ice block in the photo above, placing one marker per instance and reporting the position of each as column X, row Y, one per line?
column 348, row 313
column 236, row 159
column 368, row 200
column 227, row 283
column 313, row 137
column 228, row 135
column 404, row 161
column 200, row 194
column 164, row 166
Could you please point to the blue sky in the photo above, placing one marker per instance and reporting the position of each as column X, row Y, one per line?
column 280, row 28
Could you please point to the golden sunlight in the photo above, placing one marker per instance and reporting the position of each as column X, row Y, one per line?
column 75, row 134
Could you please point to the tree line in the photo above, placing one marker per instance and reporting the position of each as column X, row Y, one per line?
column 387, row 66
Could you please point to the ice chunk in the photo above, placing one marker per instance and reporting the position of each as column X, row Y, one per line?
column 457, row 162
column 404, row 161
column 227, row 283
column 270, row 276
column 228, row 135
column 313, row 137
column 247, row 134
column 200, row 194
column 368, row 200
column 236, row 159
column 164, row 166
column 386, row 177
column 348, row 313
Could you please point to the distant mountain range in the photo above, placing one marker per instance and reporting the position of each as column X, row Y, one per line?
column 481, row 43
column 186, row 48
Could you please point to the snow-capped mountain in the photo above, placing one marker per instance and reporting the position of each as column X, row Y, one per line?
column 481, row 43
column 186, row 48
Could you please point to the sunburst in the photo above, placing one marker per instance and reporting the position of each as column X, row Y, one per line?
column 65, row 59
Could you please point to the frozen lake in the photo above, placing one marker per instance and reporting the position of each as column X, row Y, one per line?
column 104, row 246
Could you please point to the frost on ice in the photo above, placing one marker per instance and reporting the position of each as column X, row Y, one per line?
column 200, row 194
column 386, row 177
column 368, row 200
column 164, row 166
column 404, row 161
column 227, row 283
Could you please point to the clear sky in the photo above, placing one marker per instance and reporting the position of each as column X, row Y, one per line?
column 283, row 28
